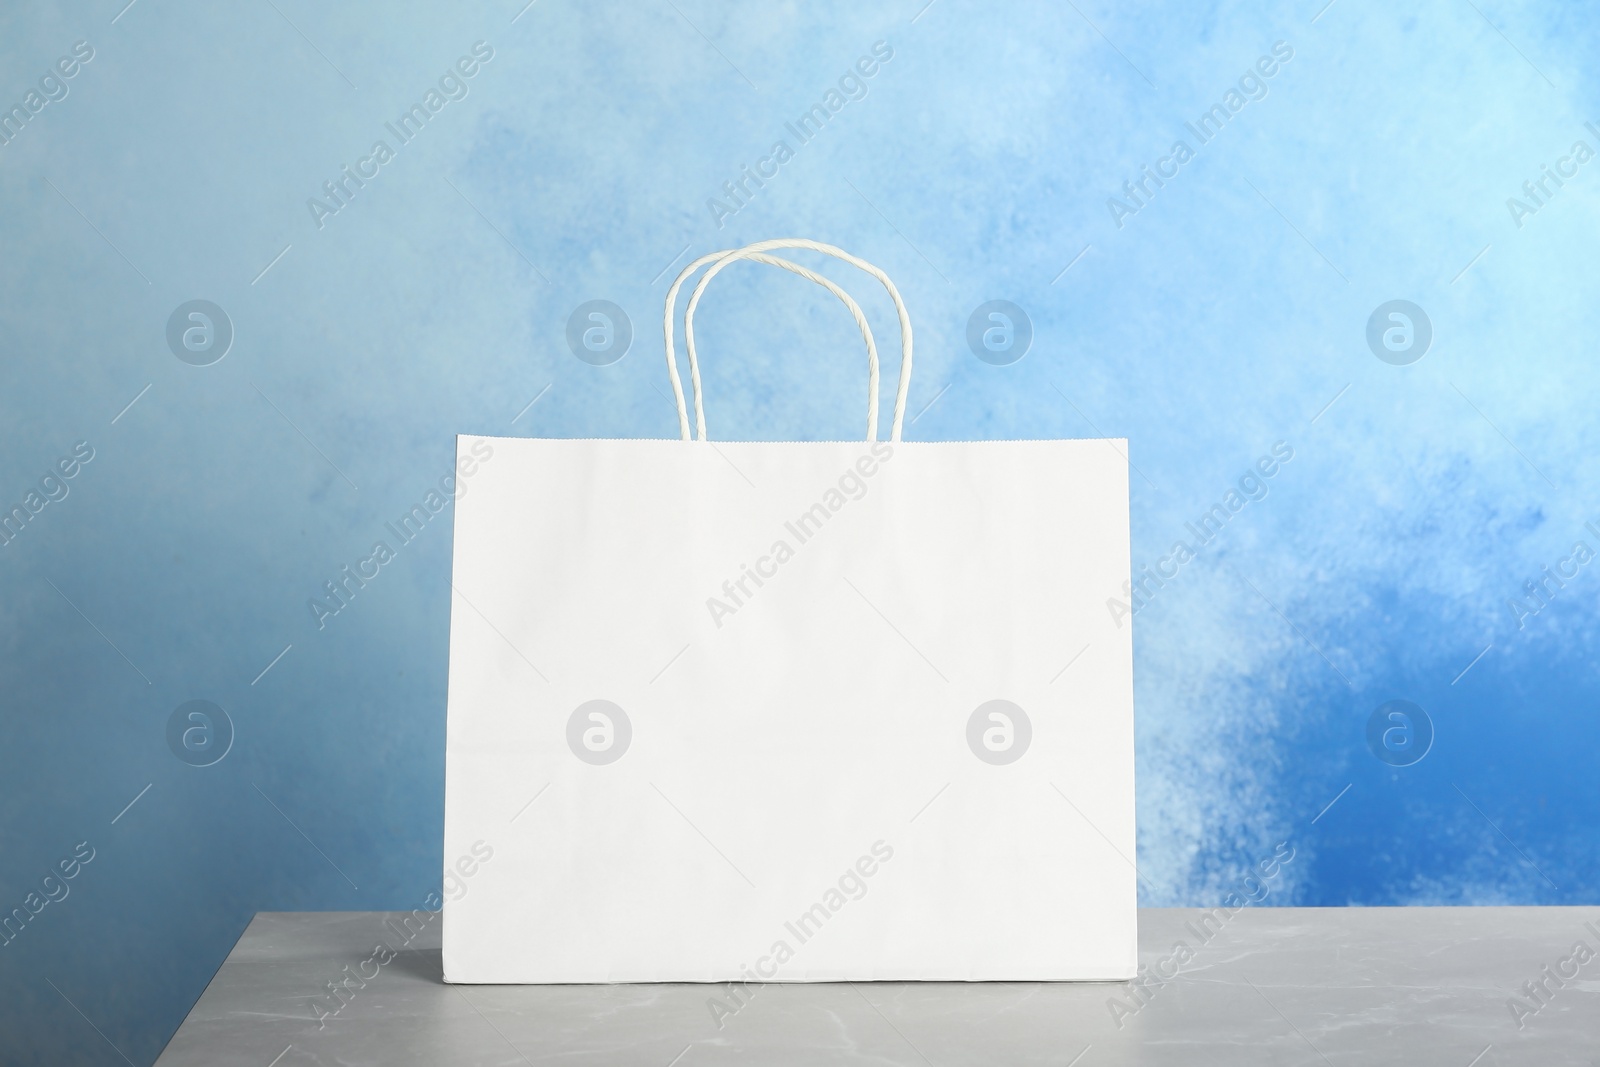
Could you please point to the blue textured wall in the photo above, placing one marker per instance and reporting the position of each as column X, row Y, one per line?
column 1206, row 319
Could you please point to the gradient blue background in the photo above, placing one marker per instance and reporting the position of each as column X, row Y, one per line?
column 1223, row 317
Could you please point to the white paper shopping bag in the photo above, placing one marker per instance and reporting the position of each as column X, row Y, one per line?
column 789, row 711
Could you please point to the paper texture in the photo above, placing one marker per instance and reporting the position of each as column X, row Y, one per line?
column 790, row 712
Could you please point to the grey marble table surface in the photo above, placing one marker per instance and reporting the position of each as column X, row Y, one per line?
column 1459, row 987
